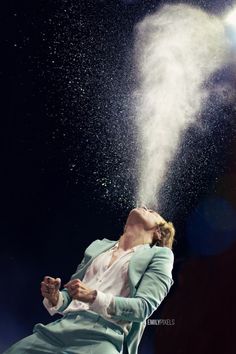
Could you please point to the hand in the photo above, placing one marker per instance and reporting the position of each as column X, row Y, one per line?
column 50, row 289
column 79, row 291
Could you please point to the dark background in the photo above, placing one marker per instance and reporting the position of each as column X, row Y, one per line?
column 67, row 170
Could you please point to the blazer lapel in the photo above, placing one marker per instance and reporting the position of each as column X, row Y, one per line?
column 137, row 264
column 91, row 252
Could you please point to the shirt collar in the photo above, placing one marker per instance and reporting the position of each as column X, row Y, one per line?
column 133, row 249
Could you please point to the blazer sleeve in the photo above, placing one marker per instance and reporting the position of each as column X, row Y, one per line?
column 152, row 289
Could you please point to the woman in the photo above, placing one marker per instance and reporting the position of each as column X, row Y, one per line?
column 116, row 287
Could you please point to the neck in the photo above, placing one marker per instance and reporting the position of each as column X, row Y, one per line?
column 134, row 235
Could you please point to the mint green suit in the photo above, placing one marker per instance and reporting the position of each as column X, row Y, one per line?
column 85, row 332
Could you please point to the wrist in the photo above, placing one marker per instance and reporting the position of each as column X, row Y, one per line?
column 55, row 299
column 93, row 296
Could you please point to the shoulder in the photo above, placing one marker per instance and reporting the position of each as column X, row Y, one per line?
column 165, row 252
column 98, row 242
column 106, row 240
column 163, row 259
column 103, row 240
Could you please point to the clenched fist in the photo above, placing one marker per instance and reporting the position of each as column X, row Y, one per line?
column 50, row 289
column 79, row 291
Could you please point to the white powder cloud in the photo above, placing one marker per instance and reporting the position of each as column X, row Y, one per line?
column 176, row 51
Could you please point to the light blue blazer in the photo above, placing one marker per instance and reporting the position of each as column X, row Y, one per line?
column 150, row 279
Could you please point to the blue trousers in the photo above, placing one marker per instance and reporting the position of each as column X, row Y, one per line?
column 83, row 332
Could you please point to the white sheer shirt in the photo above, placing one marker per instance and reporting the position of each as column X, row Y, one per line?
column 108, row 281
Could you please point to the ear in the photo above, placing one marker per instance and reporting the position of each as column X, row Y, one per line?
column 157, row 234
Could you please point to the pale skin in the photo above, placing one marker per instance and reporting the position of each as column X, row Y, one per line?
column 140, row 227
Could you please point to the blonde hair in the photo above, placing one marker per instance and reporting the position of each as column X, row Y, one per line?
column 167, row 231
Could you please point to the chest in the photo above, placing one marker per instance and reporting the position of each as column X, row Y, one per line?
column 111, row 265
column 113, row 258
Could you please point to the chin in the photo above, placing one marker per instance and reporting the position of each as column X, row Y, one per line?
column 138, row 214
column 136, row 210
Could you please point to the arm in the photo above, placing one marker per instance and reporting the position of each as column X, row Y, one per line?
column 153, row 288
column 64, row 298
column 61, row 299
column 151, row 291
